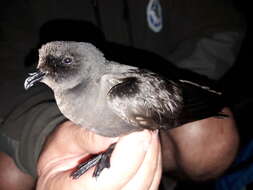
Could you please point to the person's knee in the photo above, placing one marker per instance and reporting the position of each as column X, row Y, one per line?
column 205, row 149
column 11, row 177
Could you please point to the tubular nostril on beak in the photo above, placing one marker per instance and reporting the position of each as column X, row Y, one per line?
column 33, row 79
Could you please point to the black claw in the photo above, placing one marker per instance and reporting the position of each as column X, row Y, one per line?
column 101, row 161
column 83, row 167
column 104, row 161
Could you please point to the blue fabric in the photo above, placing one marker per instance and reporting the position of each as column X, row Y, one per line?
column 238, row 179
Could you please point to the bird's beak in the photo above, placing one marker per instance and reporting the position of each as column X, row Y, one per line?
column 33, row 78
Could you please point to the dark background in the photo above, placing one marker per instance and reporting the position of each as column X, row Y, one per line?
column 238, row 82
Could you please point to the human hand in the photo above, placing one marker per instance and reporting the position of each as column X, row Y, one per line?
column 135, row 162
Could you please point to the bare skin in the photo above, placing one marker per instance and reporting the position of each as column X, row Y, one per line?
column 142, row 170
column 202, row 149
column 11, row 177
column 194, row 150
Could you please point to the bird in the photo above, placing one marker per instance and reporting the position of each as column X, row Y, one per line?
column 125, row 97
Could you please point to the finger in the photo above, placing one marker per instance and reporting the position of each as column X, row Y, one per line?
column 149, row 170
column 158, row 175
column 126, row 159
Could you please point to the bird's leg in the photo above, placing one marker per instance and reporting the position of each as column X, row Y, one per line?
column 101, row 161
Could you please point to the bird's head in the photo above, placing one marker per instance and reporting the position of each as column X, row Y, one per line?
column 65, row 64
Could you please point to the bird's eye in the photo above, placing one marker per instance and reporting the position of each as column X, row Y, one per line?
column 67, row 60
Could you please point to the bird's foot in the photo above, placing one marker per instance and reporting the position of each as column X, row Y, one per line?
column 101, row 161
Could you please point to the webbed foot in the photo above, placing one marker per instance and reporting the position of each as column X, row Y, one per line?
column 101, row 161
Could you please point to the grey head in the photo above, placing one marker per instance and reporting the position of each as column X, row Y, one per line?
column 64, row 64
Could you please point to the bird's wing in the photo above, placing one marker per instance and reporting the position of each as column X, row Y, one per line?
column 144, row 100
column 148, row 101
column 199, row 102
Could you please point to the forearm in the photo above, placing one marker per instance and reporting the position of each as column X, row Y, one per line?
column 25, row 129
column 202, row 149
column 11, row 177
